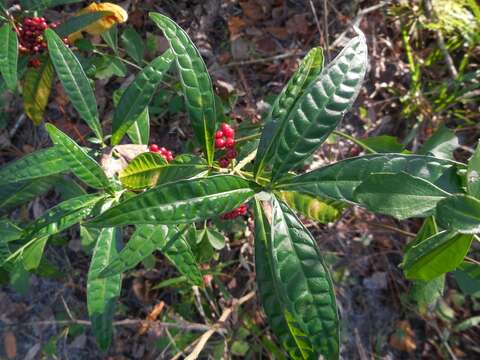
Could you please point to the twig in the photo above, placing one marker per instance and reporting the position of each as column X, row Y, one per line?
column 202, row 341
column 17, row 125
column 315, row 16
column 355, row 141
column 444, row 341
column 441, row 42
column 393, row 228
column 325, row 26
column 266, row 59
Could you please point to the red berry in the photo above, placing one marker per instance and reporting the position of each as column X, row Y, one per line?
column 154, row 148
column 231, row 154
column 219, row 143
column 223, row 162
column 229, row 132
column 35, row 63
column 225, row 127
column 219, row 134
column 229, row 143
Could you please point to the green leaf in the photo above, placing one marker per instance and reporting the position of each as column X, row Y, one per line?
column 12, row 195
column 102, row 293
column 9, row 231
column 339, row 180
column 215, row 238
column 321, row 210
column 400, row 195
column 36, row 165
column 436, row 255
column 269, row 294
column 148, row 169
column 144, row 241
column 319, row 110
column 9, row 56
column 80, row 22
column 32, row 254
column 138, row 95
column 183, row 201
column 196, row 82
column 468, row 278
column 459, row 213
column 81, row 164
column 441, row 144
column 425, row 293
column 303, row 280
column 62, row 216
column 111, row 37
column 36, row 90
column 133, row 45
column 178, row 251
column 429, row 228
column 139, row 132
column 473, row 174
column 308, row 71
column 383, row 144
column 74, row 81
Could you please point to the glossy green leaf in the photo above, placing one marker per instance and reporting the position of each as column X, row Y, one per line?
column 339, row 180
column 400, row 195
column 80, row 22
column 178, row 252
column 32, row 254
column 9, row 56
column 441, row 144
column 303, row 281
column 144, row 241
column 269, row 294
column 36, row 165
column 196, row 82
column 319, row 110
column 149, row 169
column 36, row 90
column 429, row 228
column 321, row 210
column 183, row 201
column 139, row 132
column 133, row 44
column 473, row 174
column 436, row 255
column 215, row 238
column 425, row 293
column 14, row 194
column 4, row 252
column 143, row 171
column 74, row 81
column 80, row 163
column 383, row 144
column 62, row 216
column 309, row 70
column 9, row 231
column 459, row 213
column 138, row 95
column 102, row 293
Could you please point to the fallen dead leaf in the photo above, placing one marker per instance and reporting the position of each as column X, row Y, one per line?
column 402, row 339
column 10, row 344
column 252, row 9
column 298, row 24
column 152, row 316
column 236, row 25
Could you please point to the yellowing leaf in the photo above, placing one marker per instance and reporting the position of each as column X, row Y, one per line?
column 36, row 90
column 118, row 15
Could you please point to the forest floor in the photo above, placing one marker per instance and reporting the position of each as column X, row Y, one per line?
column 251, row 48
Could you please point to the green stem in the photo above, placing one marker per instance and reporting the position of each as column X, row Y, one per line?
column 355, row 141
column 247, row 138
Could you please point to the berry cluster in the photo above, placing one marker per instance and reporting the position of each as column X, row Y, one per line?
column 225, row 139
column 32, row 41
column 167, row 155
column 240, row 211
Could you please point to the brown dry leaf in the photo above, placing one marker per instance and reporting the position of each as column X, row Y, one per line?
column 224, row 89
column 10, row 344
column 402, row 339
column 298, row 24
column 278, row 31
column 252, row 9
column 152, row 316
column 235, row 26
column 266, row 45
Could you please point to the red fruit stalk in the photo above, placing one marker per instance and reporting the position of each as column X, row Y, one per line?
column 240, row 211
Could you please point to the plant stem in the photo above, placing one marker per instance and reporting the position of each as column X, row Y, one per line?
column 355, row 141
column 247, row 138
